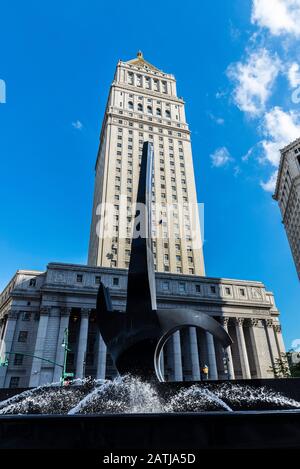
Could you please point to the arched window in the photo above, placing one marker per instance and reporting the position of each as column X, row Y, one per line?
column 140, row 107
column 130, row 105
column 158, row 111
column 149, row 109
column 168, row 114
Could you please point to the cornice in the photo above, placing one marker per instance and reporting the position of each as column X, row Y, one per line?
column 156, row 94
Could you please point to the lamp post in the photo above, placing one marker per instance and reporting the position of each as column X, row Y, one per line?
column 65, row 345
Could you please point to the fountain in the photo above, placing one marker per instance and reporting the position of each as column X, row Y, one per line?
column 138, row 409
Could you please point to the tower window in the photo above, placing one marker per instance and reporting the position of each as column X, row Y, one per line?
column 18, row 359
column 158, row 112
column 130, row 105
column 26, row 316
column 23, row 336
column 115, row 281
column 140, row 107
column 130, row 78
column 149, row 109
column 14, row 381
column 168, row 114
column 32, row 282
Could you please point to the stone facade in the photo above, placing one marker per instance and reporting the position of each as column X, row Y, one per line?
column 143, row 106
column 37, row 307
column 287, row 194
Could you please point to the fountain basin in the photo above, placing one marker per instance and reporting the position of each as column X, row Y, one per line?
column 155, row 416
column 205, row 430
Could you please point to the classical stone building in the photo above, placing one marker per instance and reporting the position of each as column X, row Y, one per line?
column 143, row 106
column 37, row 307
column 287, row 193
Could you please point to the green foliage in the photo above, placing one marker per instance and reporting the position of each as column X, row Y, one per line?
column 281, row 367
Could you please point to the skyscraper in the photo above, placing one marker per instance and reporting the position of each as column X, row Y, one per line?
column 143, row 106
column 287, row 193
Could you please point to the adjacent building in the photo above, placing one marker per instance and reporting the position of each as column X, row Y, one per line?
column 287, row 194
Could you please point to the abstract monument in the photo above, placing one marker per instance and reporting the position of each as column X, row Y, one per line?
column 135, row 338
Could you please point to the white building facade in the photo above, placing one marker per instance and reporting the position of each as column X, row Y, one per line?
column 37, row 307
column 287, row 194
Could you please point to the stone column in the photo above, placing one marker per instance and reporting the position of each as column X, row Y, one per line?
column 7, row 343
column 242, row 348
column 272, row 341
column 101, row 358
column 2, row 326
column 211, row 354
column 194, row 354
column 255, row 346
column 35, row 374
column 177, row 356
column 228, row 352
column 82, row 342
column 279, row 340
column 60, row 351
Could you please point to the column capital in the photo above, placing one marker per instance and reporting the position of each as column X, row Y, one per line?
column 239, row 321
column 85, row 312
column 225, row 321
column 254, row 322
column 269, row 322
column 65, row 311
column 45, row 310
column 277, row 328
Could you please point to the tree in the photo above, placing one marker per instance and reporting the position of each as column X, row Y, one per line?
column 281, row 367
column 294, row 367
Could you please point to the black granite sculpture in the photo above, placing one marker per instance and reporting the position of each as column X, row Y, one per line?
column 135, row 338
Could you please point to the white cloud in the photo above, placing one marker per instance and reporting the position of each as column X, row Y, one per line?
column 269, row 186
column 279, row 16
column 221, row 157
column 296, row 345
column 280, row 128
column 217, row 120
column 249, row 153
column 77, row 125
column 294, row 75
column 254, row 80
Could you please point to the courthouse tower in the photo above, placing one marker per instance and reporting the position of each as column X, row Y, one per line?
column 143, row 106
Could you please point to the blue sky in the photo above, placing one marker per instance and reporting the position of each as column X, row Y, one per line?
column 236, row 64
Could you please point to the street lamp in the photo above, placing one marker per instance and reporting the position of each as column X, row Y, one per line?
column 65, row 345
